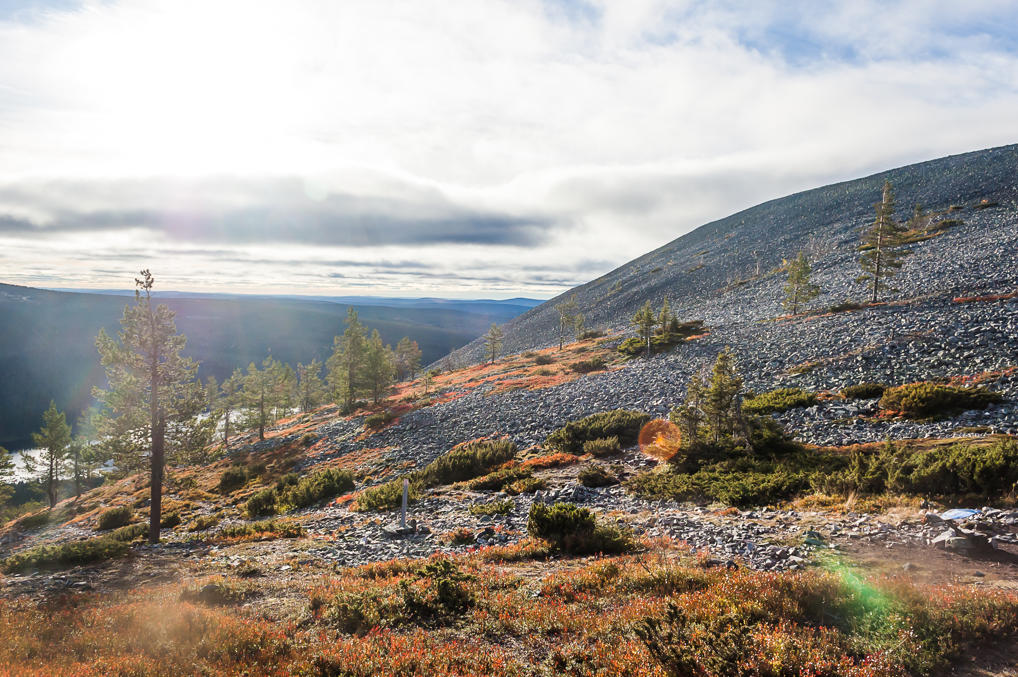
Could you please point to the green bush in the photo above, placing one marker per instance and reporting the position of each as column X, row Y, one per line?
column 115, row 517
column 863, row 391
column 934, row 400
column 388, row 496
column 575, row 530
column 233, row 478
column 129, row 533
column 595, row 475
column 846, row 306
column 526, row 485
column 590, row 334
column 544, row 359
column 961, row 470
column 203, row 523
column 466, row 462
column 170, row 520
column 620, row 423
column 588, row 366
column 65, row 555
column 32, row 522
column 494, row 508
column 262, row 503
column 379, row 420
column 662, row 341
column 280, row 529
column 498, row 480
column 602, row 446
column 778, row 400
column 314, row 488
column 218, row 593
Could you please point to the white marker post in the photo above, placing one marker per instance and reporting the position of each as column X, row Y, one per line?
column 406, row 490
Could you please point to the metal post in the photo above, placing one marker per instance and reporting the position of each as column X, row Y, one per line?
column 406, row 490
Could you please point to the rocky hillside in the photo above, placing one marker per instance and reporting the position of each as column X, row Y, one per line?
column 723, row 272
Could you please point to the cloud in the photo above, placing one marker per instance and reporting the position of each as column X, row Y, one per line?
column 529, row 143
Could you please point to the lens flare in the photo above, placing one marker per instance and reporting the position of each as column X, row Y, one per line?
column 660, row 439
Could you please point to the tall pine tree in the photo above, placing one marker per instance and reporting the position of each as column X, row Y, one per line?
column 882, row 247
column 408, row 358
column 310, row 387
column 379, row 366
column 153, row 397
column 645, row 321
column 346, row 364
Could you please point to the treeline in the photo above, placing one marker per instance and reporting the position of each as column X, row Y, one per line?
column 154, row 409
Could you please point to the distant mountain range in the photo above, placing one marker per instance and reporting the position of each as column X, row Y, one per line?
column 47, row 337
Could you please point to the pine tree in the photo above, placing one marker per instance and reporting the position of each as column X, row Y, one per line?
column 799, row 289
column 721, row 402
column 426, row 380
column 225, row 403
column 379, row 366
column 310, row 387
column 493, row 342
column 645, row 321
column 346, row 364
column 408, row 358
column 153, row 398
column 84, row 453
column 54, row 438
column 567, row 312
column 882, row 246
column 6, row 475
column 265, row 392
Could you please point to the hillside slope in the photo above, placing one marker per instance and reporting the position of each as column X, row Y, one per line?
column 697, row 271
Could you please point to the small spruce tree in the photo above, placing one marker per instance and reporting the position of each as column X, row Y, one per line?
column 645, row 321
column 54, row 439
column 882, row 246
column 493, row 342
column 310, row 387
column 379, row 366
column 799, row 289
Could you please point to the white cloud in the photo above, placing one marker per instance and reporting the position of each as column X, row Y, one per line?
column 616, row 125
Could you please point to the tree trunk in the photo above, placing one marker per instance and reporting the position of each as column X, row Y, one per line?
column 261, row 416
column 158, row 459
column 51, row 482
column 876, row 269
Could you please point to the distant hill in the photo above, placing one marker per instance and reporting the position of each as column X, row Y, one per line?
column 721, row 268
column 47, row 338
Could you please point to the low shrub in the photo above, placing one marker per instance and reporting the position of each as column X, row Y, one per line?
column 527, row 485
column 544, row 359
column 261, row 504
column 863, row 391
column 575, row 530
column 595, row 475
column 170, row 520
column 263, row 528
column 314, row 488
column 115, row 517
column 490, row 509
column 846, row 306
column 129, row 533
column 663, row 341
column 461, row 536
column 588, row 366
column 778, row 400
column 466, row 462
column 934, row 400
column 96, row 549
column 233, row 478
column 379, row 420
column 218, row 593
column 34, row 521
column 387, row 496
column 590, row 334
column 498, row 480
column 203, row 523
column 620, row 423
column 602, row 446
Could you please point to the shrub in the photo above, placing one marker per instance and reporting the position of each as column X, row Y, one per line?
column 233, row 478
column 594, row 475
column 388, row 496
column 170, row 520
column 778, row 400
column 262, row 503
column 845, row 306
column 263, row 528
column 461, row 536
column 575, row 530
column 379, row 420
column 929, row 400
column 863, row 391
column 494, row 508
column 466, row 462
column 498, row 480
column 66, row 555
column 602, row 446
column 115, row 517
column 314, row 488
column 544, row 359
column 620, row 423
column 217, row 593
column 590, row 334
column 34, row 521
column 129, row 533
column 203, row 523
column 588, row 366
column 527, row 485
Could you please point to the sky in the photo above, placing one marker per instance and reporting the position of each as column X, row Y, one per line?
column 472, row 148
